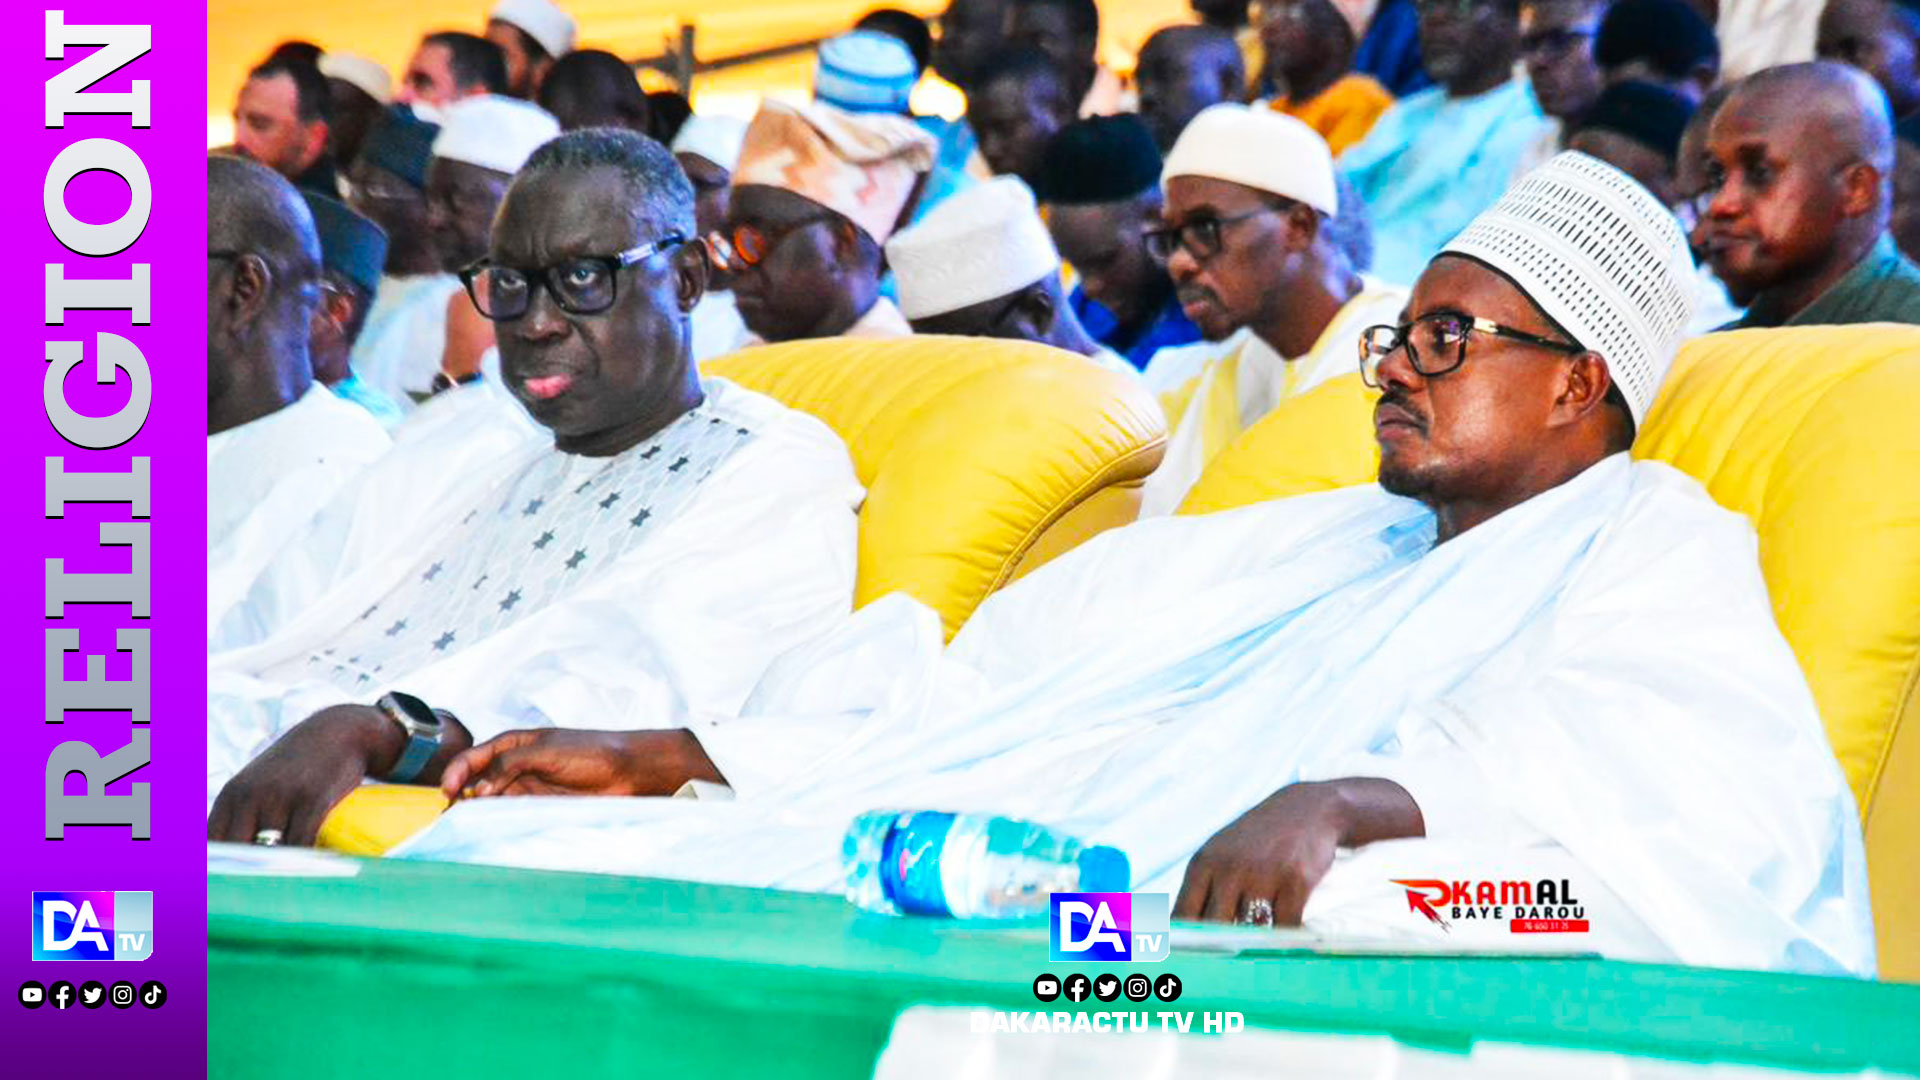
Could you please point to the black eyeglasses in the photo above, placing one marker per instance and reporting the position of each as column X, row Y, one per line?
column 1437, row 343
column 1199, row 235
column 582, row 285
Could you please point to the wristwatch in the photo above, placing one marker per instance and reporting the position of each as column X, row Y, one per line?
column 421, row 725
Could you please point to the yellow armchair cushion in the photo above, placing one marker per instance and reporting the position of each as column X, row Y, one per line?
column 972, row 450
column 375, row 817
column 1318, row 441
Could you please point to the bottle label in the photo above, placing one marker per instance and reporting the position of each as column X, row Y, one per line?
column 910, row 863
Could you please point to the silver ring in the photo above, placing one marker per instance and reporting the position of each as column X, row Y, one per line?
column 272, row 838
column 1257, row 912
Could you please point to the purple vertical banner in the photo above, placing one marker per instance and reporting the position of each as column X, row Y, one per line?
column 101, row 284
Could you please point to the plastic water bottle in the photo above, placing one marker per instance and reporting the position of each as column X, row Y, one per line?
column 969, row 866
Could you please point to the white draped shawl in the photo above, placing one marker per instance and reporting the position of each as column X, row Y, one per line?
column 1597, row 669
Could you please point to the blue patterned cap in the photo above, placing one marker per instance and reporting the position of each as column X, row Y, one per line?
column 865, row 72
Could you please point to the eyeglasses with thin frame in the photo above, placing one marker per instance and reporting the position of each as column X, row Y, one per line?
column 1437, row 344
column 1200, row 236
column 739, row 248
column 582, row 285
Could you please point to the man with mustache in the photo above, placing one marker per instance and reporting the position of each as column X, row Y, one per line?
column 816, row 192
column 1800, row 192
column 1252, row 239
column 1522, row 649
column 676, row 534
column 1438, row 157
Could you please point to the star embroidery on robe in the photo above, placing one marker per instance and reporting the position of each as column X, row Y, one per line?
column 471, row 514
column 649, row 452
column 432, row 572
column 607, row 503
column 574, row 560
column 545, row 539
column 394, row 630
column 368, row 614
column 482, row 581
column 640, row 518
column 533, row 507
column 512, row 599
column 678, row 465
column 440, row 643
column 582, row 489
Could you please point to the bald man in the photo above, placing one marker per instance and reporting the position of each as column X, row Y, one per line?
column 1800, row 164
column 279, row 444
column 1182, row 70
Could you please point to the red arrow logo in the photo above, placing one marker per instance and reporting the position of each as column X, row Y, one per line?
column 1418, row 900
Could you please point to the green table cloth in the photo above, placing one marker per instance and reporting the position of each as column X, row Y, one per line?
column 430, row 969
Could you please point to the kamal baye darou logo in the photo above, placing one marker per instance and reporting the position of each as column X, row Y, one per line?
column 1529, row 907
column 1110, row 927
column 92, row 925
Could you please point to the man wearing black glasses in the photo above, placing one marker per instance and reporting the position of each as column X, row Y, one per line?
column 678, row 533
column 1253, row 238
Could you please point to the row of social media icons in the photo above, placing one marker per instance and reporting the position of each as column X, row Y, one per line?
column 90, row 994
column 1106, row 987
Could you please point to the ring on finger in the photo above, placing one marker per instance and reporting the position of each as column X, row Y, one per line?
column 269, row 837
column 1257, row 912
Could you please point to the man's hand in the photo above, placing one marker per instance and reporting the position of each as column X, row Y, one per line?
column 293, row 785
column 563, row 761
column 1277, row 852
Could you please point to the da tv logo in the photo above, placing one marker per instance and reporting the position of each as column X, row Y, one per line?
column 1110, row 927
column 92, row 925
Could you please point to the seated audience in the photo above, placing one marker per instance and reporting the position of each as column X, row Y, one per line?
column 816, row 193
column 278, row 443
column 352, row 252
column 982, row 265
column 1020, row 102
column 1557, row 45
column 281, row 122
column 406, row 328
column 1183, row 69
column 1251, row 243
column 1100, row 181
column 451, row 66
column 1390, row 49
column 708, row 149
column 1801, row 173
column 956, row 163
column 1636, row 127
column 1068, row 32
column 359, row 90
column 1713, row 307
column 1663, row 42
column 865, row 71
column 1522, row 647
column 1310, row 47
column 1436, row 159
column 532, row 35
column 590, row 88
column 1881, row 38
column 677, row 534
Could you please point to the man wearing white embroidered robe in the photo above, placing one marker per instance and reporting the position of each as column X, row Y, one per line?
column 279, row 444
column 680, row 533
column 1523, row 654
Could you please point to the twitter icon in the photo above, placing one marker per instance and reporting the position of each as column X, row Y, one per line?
column 92, row 994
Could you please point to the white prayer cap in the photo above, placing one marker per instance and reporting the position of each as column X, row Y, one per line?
column 716, row 138
column 1259, row 148
column 369, row 76
column 493, row 132
column 980, row 244
column 1600, row 255
column 542, row 21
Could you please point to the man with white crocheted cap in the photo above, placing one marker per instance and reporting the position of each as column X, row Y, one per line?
column 981, row 264
column 532, row 34
column 1521, row 657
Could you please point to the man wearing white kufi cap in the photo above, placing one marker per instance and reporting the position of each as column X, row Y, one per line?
column 708, row 149
column 360, row 90
column 1524, row 656
column 532, row 34
column 1255, row 243
column 981, row 264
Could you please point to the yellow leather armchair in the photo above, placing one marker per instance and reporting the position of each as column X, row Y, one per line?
column 1814, row 434
column 982, row 459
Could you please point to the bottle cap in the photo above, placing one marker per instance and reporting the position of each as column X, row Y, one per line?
column 1104, row 869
